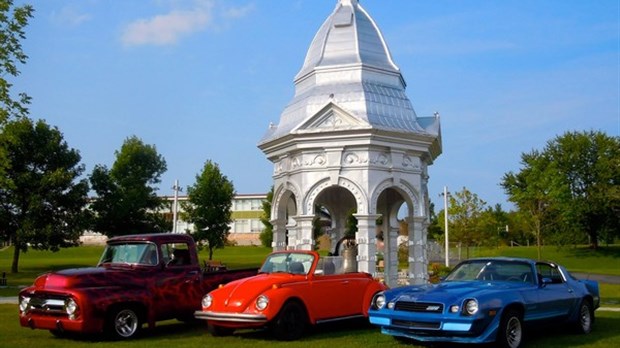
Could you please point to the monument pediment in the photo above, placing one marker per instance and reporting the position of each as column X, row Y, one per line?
column 331, row 117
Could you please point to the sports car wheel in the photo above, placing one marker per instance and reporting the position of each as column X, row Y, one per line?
column 290, row 324
column 585, row 318
column 122, row 323
column 216, row 330
column 510, row 334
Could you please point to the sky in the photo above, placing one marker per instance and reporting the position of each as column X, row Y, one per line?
column 202, row 79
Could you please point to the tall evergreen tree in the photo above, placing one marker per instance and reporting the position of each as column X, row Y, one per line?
column 209, row 207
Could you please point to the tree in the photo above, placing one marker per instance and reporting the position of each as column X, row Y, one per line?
column 13, row 20
column 464, row 211
column 126, row 201
column 42, row 199
column 571, row 188
column 209, row 207
column 266, row 236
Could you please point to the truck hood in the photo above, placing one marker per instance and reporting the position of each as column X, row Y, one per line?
column 87, row 278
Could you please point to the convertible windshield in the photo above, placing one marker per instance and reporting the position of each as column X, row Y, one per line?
column 492, row 270
column 130, row 253
column 296, row 263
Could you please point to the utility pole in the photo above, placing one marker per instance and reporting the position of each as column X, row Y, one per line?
column 175, row 205
column 445, row 215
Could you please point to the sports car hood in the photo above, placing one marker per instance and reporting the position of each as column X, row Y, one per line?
column 240, row 293
column 452, row 292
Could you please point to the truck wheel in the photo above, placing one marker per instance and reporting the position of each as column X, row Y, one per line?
column 216, row 330
column 510, row 331
column 122, row 323
column 290, row 324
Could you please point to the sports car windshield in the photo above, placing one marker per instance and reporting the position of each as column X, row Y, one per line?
column 492, row 270
column 295, row 263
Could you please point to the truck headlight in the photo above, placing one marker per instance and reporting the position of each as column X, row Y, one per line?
column 471, row 306
column 379, row 301
column 261, row 302
column 24, row 303
column 207, row 301
column 71, row 307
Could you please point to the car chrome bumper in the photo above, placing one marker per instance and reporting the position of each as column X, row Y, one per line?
column 231, row 317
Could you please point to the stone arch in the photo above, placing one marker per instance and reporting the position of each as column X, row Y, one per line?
column 281, row 196
column 321, row 185
column 409, row 193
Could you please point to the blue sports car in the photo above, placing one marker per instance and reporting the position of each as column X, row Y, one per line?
column 487, row 300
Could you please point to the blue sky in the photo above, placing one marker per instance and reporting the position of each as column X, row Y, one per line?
column 203, row 79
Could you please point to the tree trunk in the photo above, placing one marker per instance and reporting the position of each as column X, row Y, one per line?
column 210, row 253
column 15, row 263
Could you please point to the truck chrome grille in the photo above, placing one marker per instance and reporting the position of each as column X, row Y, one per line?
column 51, row 305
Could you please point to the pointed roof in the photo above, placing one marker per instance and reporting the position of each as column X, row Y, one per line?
column 349, row 65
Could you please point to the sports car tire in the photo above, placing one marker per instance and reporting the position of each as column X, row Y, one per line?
column 221, row 331
column 290, row 324
column 510, row 334
column 585, row 318
column 122, row 323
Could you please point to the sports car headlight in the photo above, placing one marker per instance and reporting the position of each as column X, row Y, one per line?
column 379, row 301
column 471, row 306
column 70, row 306
column 24, row 304
column 207, row 300
column 261, row 302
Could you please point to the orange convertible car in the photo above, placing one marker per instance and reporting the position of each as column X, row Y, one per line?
column 292, row 290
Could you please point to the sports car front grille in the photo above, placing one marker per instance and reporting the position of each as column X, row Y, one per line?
column 416, row 325
column 421, row 307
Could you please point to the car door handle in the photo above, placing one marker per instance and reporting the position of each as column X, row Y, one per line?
column 345, row 282
column 570, row 290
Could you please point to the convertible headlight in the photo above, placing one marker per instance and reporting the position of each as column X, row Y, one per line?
column 207, row 300
column 24, row 304
column 379, row 301
column 261, row 302
column 471, row 306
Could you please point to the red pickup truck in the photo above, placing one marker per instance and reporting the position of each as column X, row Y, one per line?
column 139, row 279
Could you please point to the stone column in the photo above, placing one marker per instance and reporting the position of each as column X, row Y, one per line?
column 305, row 240
column 418, row 262
column 391, row 257
column 291, row 234
column 279, row 234
column 366, row 242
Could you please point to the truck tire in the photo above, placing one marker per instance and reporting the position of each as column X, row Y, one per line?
column 122, row 323
column 291, row 322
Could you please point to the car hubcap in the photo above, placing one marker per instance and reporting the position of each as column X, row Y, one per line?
column 126, row 323
column 585, row 318
column 513, row 332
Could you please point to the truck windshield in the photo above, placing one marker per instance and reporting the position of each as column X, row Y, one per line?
column 130, row 253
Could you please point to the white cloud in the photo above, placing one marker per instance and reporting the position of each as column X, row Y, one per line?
column 69, row 16
column 166, row 29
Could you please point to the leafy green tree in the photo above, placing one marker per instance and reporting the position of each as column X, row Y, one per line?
column 42, row 199
column 464, row 212
column 209, row 207
column 13, row 20
column 492, row 226
column 266, row 236
column 126, row 201
column 571, row 188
